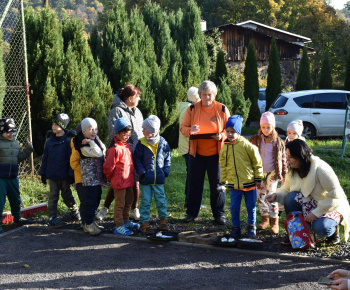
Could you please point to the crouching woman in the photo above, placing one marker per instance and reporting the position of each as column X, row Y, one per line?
column 312, row 187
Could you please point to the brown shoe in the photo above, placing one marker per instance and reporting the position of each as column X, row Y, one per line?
column 145, row 228
column 275, row 228
column 265, row 222
column 163, row 225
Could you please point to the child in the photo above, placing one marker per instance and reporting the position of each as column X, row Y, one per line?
column 294, row 131
column 92, row 152
column 272, row 152
column 152, row 163
column 10, row 154
column 56, row 167
column 241, row 171
column 119, row 170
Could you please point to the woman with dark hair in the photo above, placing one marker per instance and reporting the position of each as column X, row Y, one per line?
column 124, row 104
column 312, row 187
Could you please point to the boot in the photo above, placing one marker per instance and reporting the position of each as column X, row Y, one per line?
column 145, row 228
column 265, row 222
column 163, row 225
column 334, row 239
column 274, row 226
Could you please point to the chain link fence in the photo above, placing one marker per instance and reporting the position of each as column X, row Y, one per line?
column 14, row 88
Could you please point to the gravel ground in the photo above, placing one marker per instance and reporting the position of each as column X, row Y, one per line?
column 271, row 243
column 36, row 257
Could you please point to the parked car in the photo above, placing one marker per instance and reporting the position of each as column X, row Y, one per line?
column 322, row 111
column 262, row 100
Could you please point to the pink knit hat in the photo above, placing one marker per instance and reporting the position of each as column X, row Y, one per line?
column 268, row 118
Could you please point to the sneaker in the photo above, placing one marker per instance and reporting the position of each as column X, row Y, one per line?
column 22, row 221
column 71, row 217
column 122, row 231
column 99, row 226
column 131, row 226
column 92, row 229
column 1, row 230
column 55, row 222
column 236, row 232
column 102, row 213
column 135, row 213
column 251, row 231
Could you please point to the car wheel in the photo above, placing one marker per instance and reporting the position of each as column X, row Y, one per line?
column 309, row 131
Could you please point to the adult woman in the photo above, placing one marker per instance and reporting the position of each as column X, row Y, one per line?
column 204, row 123
column 124, row 104
column 311, row 186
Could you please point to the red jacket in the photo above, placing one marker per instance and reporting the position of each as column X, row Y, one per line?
column 118, row 167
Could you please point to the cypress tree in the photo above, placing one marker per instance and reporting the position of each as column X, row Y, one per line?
column 347, row 75
column 220, row 69
column 325, row 81
column 274, row 78
column 251, row 82
column 2, row 75
column 304, row 81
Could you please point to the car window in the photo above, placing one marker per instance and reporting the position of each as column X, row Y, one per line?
column 279, row 102
column 330, row 101
column 304, row 101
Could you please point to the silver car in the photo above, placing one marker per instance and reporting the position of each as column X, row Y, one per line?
column 322, row 111
column 262, row 100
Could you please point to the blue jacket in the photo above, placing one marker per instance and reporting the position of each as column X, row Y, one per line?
column 152, row 168
column 55, row 164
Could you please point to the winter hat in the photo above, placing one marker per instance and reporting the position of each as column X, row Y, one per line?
column 86, row 123
column 268, row 118
column 192, row 94
column 7, row 125
column 297, row 126
column 120, row 124
column 235, row 122
column 152, row 124
column 61, row 120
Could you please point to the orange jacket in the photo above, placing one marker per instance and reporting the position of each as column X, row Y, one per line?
column 75, row 163
column 192, row 116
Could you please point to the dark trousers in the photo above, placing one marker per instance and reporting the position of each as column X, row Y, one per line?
column 56, row 186
column 90, row 201
column 187, row 157
column 199, row 165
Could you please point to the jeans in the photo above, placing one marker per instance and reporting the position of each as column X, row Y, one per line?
column 250, row 203
column 146, row 201
column 199, row 165
column 323, row 227
column 10, row 187
column 56, row 186
column 90, row 202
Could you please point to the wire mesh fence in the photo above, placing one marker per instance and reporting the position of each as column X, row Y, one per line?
column 14, row 88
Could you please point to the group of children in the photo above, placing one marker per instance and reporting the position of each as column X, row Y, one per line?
column 69, row 157
column 253, row 169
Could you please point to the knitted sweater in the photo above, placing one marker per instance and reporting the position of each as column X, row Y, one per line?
column 321, row 184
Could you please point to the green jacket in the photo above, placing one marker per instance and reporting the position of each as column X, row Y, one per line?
column 241, row 164
column 10, row 155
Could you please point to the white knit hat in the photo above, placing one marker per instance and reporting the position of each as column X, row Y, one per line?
column 86, row 123
column 297, row 126
column 192, row 94
column 152, row 124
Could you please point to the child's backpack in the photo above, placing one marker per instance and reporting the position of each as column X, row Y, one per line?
column 298, row 232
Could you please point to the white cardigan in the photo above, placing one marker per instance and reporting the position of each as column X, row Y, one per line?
column 321, row 184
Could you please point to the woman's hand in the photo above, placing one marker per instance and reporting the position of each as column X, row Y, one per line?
column 310, row 218
column 339, row 274
column 194, row 129
column 341, row 284
column 271, row 197
column 217, row 136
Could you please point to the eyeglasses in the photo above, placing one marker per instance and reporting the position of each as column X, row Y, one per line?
column 11, row 133
column 126, row 135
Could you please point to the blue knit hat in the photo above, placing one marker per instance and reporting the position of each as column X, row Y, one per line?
column 235, row 122
column 120, row 124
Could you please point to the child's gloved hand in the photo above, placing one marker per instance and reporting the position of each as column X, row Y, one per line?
column 43, row 179
column 29, row 143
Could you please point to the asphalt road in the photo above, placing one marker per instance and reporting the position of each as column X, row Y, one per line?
column 36, row 257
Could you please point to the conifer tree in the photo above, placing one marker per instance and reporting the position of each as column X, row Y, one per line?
column 251, row 82
column 347, row 75
column 2, row 75
column 304, row 81
column 325, row 81
column 224, row 94
column 220, row 69
column 274, row 78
